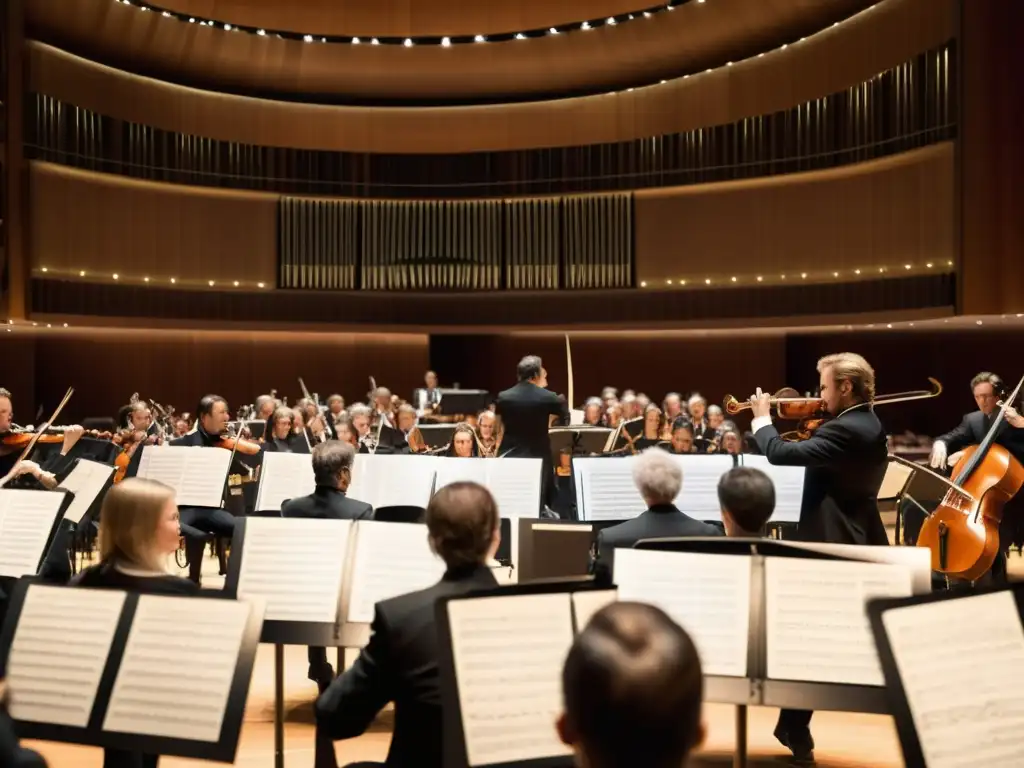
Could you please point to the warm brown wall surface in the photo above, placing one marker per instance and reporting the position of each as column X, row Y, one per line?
column 690, row 39
column 106, row 367
column 825, row 63
column 402, row 18
column 103, row 223
column 992, row 156
column 883, row 213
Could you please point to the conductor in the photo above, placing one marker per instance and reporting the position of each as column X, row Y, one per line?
column 525, row 411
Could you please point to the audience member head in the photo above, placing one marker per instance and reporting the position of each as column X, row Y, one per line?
column 279, row 425
column 139, row 524
column 632, row 686
column 846, row 379
column 747, row 498
column 531, row 369
column 697, row 406
column 463, row 525
column 657, row 476
column 332, row 464
column 212, row 414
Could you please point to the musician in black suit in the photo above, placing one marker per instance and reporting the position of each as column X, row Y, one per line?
column 426, row 399
column 400, row 662
column 659, row 479
column 525, row 411
column 846, row 460
column 988, row 389
column 280, row 436
column 332, row 472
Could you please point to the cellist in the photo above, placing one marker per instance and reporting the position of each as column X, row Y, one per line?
column 846, row 460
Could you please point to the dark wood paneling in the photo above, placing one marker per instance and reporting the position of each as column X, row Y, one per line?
column 485, row 311
column 874, row 42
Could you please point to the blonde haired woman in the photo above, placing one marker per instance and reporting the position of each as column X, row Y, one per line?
column 139, row 528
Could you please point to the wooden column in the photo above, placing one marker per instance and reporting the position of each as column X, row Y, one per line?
column 15, row 180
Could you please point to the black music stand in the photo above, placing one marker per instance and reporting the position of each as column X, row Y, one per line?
column 455, row 402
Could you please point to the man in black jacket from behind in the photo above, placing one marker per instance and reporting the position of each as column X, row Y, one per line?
column 400, row 662
column 332, row 473
column 659, row 478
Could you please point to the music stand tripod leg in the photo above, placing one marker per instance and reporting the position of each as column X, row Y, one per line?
column 739, row 759
column 278, row 705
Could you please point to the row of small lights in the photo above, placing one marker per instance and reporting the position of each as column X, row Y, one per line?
column 146, row 279
column 803, row 275
column 10, row 325
column 409, row 42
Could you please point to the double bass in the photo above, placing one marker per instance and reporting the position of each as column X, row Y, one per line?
column 963, row 531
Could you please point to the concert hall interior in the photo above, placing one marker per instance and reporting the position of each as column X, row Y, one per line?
column 666, row 259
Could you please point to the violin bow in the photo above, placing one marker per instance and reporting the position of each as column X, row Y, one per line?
column 35, row 438
column 568, row 363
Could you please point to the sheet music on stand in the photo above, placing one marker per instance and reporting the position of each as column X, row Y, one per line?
column 501, row 657
column 283, row 476
column 789, row 487
column 699, row 497
column 87, row 481
column 197, row 474
column 390, row 559
column 87, row 666
column 514, row 483
column 393, row 480
column 28, row 520
column 952, row 664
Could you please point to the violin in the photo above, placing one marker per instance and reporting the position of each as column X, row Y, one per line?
column 247, row 447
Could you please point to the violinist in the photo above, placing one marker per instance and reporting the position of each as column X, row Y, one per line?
column 279, row 435
column 32, row 473
column 211, row 423
column 265, row 406
column 730, row 442
column 345, row 433
column 703, row 434
column 672, row 406
column 335, row 407
column 846, row 460
column 486, row 427
column 406, row 418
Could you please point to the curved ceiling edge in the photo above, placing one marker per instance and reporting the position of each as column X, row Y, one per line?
column 692, row 38
column 825, row 63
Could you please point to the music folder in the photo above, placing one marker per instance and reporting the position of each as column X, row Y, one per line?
column 28, row 524
column 500, row 661
column 952, row 663
column 91, row 666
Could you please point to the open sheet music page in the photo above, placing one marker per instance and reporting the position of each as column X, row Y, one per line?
column 587, row 602
column 59, row 651
column 508, row 654
column 576, row 417
column 391, row 559
column 182, row 701
column 960, row 664
column 284, row 476
column 86, row 481
column 708, row 595
column 452, row 469
column 26, row 520
column 608, row 489
column 699, row 495
column 817, row 624
column 295, row 565
column 789, row 487
column 392, row 481
column 197, row 474
column 894, row 480
column 515, row 485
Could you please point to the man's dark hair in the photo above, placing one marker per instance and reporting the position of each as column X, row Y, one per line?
column 461, row 519
column 987, row 377
column 529, row 368
column 682, row 422
column 205, row 407
column 749, row 496
column 633, row 685
column 329, row 459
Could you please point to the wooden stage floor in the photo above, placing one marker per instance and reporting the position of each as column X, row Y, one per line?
column 844, row 740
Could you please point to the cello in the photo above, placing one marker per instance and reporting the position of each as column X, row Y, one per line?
column 963, row 531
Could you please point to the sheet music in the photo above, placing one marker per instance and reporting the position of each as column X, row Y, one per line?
column 197, row 474
column 960, row 664
column 26, row 520
column 452, row 469
column 284, row 476
column 587, row 602
column 59, row 651
column 699, row 496
column 508, row 654
column 393, row 481
column 608, row 492
column 894, row 480
column 708, row 595
column 295, row 565
column 789, row 487
column 576, row 417
column 817, row 625
column 515, row 485
column 391, row 559
column 86, row 481
column 183, row 701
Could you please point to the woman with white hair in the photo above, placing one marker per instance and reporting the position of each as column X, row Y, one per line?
column 702, row 433
column 658, row 476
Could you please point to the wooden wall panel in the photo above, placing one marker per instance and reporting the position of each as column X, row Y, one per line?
column 111, row 224
column 883, row 213
column 873, row 42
